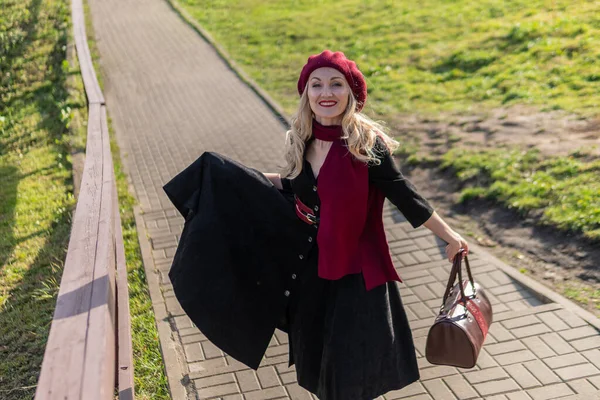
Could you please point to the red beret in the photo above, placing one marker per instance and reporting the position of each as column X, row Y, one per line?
column 336, row 60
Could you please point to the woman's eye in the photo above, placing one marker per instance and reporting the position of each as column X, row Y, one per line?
column 316, row 85
column 337, row 84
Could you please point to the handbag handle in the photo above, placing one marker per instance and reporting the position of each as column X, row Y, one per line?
column 457, row 269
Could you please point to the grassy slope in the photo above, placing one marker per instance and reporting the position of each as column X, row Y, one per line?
column 42, row 119
column 421, row 56
column 36, row 186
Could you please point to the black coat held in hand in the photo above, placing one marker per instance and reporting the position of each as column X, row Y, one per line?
column 242, row 246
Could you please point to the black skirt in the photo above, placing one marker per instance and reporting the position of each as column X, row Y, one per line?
column 348, row 343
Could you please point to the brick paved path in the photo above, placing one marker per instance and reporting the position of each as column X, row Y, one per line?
column 171, row 98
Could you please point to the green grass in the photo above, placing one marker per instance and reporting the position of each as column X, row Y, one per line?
column 423, row 56
column 586, row 295
column 36, row 187
column 42, row 120
column 564, row 191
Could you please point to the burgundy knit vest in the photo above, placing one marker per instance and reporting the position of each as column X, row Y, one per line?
column 351, row 237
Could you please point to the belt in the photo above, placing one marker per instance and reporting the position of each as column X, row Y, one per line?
column 305, row 213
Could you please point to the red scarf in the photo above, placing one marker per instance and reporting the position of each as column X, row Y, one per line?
column 351, row 236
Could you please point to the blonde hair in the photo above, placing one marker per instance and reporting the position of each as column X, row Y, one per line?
column 359, row 131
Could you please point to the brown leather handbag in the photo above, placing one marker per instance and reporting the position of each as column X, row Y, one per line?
column 460, row 328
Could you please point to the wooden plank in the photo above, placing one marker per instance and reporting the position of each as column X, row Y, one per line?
column 80, row 360
column 90, row 81
column 61, row 373
column 100, row 355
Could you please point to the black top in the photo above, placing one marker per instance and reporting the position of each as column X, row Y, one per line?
column 242, row 243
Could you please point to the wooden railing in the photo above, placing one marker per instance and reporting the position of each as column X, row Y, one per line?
column 88, row 354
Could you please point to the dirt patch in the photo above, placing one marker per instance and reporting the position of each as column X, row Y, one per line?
column 565, row 262
column 553, row 132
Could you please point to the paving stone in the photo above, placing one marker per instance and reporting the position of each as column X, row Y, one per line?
column 189, row 331
column 407, row 259
column 406, row 249
column 193, row 338
column 266, row 394
column 501, row 277
column 427, row 242
column 500, row 333
column 484, row 360
column 550, row 319
column 288, row 377
column 518, row 305
column 210, row 350
column 193, row 352
column 233, row 397
column 569, row 318
column 495, row 387
column 421, row 311
column 550, row 392
column 541, row 372
column 518, row 396
column 582, row 386
column 460, row 387
column 593, row 356
column 277, row 350
column 422, row 280
column 421, row 256
column 485, row 375
column 423, row 293
column 592, row 342
column 595, row 380
column 505, row 347
column 531, row 330
column 207, row 365
column 522, row 376
column 564, row 360
column 538, row 347
column 557, row 344
column 577, row 371
column 441, row 274
column 214, row 380
column 267, row 376
column 515, row 357
column 438, row 389
column 487, row 281
column 417, row 397
column 578, row 333
column 414, row 389
column 437, row 372
column 297, row 393
column 520, row 322
column 247, row 380
column 218, row 391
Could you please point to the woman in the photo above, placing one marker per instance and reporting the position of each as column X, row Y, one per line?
column 306, row 253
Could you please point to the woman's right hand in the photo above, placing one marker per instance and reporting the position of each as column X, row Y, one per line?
column 454, row 247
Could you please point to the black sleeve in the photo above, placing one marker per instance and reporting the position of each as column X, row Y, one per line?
column 388, row 178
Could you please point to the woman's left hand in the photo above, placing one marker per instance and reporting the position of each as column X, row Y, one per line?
column 453, row 248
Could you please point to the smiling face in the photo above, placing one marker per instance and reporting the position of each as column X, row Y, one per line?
column 328, row 93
